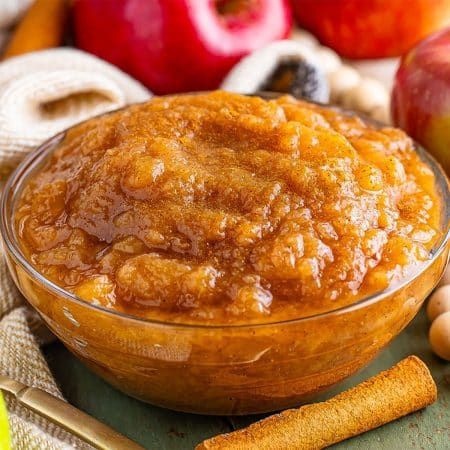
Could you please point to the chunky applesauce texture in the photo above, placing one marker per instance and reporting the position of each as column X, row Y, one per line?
column 220, row 208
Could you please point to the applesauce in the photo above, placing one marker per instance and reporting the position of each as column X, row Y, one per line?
column 219, row 208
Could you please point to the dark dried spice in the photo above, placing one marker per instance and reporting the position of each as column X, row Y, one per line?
column 298, row 78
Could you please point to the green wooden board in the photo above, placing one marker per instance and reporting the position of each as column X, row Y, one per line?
column 157, row 428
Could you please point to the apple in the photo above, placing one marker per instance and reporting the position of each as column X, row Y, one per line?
column 371, row 28
column 178, row 45
column 5, row 443
column 420, row 101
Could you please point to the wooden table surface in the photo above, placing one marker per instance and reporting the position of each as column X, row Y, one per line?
column 157, row 428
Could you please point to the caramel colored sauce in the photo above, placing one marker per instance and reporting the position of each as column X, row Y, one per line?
column 222, row 208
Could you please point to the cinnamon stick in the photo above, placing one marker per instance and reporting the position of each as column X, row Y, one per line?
column 404, row 388
column 41, row 27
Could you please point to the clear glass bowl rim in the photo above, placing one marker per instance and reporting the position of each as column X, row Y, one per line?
column 14, row 185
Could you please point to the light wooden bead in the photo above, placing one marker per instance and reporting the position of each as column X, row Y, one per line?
column 382, row 114
column 380, row 69
column 439, row 302
column 366, row 96
column 445, row 277
column 330, row 59
column 341, row 81
column 440, row 336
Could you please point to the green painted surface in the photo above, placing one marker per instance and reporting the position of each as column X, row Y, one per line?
column 156, row 428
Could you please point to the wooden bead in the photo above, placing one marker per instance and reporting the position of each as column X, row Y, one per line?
column 366, row 96
column 341, row 81
column 440, row 336
column 329, row 59
column 382, row 114
column 380, row 69
column 439, row 302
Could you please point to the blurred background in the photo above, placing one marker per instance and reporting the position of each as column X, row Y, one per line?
column 345, row 52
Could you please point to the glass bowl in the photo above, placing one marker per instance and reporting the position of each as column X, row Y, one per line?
column 225, row 370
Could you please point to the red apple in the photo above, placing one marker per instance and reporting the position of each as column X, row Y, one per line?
column 421, row 95
column 178, row 45
column 372, row 28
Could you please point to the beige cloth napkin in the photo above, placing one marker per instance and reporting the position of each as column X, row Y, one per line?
column 45, row 92
column 41, row 94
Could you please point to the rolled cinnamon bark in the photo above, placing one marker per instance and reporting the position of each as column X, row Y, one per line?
column 406, row 387
column 42, row 27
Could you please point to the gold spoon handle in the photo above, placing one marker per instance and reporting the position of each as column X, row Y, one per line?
column 68, row 417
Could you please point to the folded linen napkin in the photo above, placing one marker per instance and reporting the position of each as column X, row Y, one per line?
column 41, row 94
column 44, row 92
